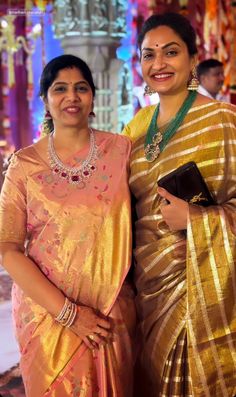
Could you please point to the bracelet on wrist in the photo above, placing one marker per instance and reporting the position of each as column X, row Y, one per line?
column 68, row 313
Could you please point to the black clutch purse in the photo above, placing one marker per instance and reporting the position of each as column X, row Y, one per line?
column 187, row 183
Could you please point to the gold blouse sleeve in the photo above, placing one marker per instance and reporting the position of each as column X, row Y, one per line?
column 13, row 214
column 139, row 124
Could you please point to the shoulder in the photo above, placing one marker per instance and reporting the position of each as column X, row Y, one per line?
column 114, row 143
column 227, row 112
column 226, row 106
column 24, row 153
column 20, row 155
column 213, row 117
column 26, row 158
column 213, row 107
column 110, row 135
column 34, row 151
column 113, row 137
column 139, row 124
column 224, row 109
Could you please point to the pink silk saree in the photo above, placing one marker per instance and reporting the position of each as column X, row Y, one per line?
column 80, row 238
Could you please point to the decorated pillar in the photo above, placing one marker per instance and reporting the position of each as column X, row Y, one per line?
column 93, row 30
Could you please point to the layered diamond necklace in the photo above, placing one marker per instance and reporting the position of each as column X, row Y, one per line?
column 73, row 175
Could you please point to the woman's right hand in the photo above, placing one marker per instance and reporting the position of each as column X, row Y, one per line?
column 91, row 327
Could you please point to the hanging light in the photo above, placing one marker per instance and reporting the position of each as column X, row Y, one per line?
column 10, row 44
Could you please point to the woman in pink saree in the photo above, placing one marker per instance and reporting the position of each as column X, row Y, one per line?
column 66, row 241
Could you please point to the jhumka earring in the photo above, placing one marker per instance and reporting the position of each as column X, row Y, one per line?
column 47, row 115
column 148, row 90
column 193, row 83
column 47, row 125
column 92, row 114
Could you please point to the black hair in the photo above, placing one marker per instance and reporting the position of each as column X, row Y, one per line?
column 177, row 22
column 204, row 66
column 52, row 68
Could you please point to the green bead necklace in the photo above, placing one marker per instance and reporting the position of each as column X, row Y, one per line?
column 155, row 141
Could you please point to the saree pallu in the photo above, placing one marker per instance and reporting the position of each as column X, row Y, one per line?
column 187, row 285
column 79, row 235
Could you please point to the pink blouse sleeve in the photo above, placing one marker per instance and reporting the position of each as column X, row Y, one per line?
column 13, row 214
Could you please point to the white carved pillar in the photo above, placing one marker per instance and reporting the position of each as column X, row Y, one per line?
column 92, row 30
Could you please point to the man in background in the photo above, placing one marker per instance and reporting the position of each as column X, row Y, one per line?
column 210, row 74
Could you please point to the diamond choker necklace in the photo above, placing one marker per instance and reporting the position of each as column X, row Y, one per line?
column 74, row 175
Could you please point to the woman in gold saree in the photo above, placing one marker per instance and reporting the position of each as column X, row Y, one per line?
column 185, row 254
column 66, row 241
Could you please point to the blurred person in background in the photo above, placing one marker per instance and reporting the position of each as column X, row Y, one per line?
column 210, row 74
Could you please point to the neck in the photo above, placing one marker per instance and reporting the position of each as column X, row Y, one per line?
column 212, row 94
column 169, row 106
column 156, row 140
column 71, row 138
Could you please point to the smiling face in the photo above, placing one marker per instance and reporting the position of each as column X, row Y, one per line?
column 165, row 61
column 69, row 99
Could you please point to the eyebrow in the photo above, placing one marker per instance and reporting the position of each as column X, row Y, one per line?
column 164, row 46
column 63, row 82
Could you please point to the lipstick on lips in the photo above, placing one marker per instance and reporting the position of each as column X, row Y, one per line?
column 161, row 76
column 72, row 109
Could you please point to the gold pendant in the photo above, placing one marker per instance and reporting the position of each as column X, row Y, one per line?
column 152, row 150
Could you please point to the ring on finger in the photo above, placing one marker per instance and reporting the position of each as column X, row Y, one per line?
column 91, row 337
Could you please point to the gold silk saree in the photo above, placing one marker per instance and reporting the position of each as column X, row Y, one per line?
column 186, row 286
column 80, row 238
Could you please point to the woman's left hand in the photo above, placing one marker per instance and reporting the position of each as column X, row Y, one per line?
column 176, row 212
